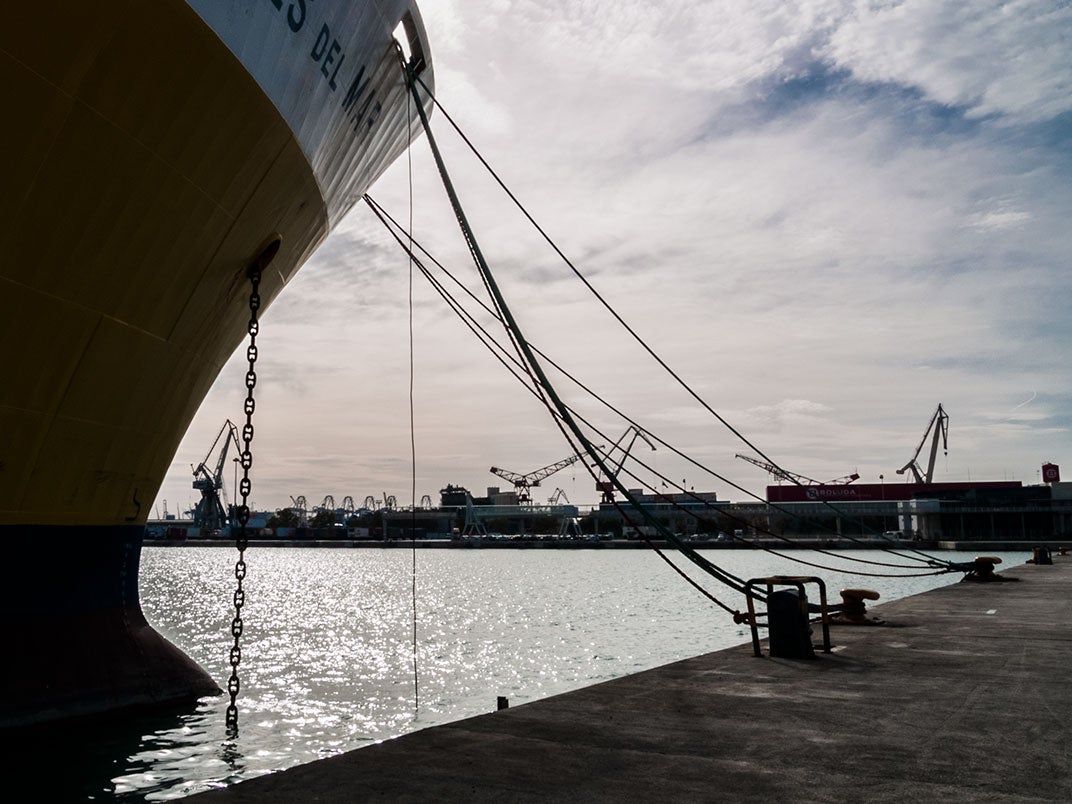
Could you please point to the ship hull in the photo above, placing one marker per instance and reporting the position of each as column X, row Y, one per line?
column 77, row 641
column 154, row 151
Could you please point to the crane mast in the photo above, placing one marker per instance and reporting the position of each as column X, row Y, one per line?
column 939, row 424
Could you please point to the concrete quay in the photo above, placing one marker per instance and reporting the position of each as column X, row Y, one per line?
column 964, row 695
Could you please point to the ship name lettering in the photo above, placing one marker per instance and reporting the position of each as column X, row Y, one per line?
column 326, row 54
column 295, row 13
column 356, row 90
column 368, row 111
column 359, row 104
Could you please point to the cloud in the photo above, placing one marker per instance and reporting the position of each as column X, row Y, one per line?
column 826, row 216
column 1008, row 59
column 998, row 219
column 790, row 409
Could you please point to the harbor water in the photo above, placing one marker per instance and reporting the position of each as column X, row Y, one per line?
column 332, row 660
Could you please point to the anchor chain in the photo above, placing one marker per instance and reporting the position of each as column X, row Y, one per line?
column 244, row 487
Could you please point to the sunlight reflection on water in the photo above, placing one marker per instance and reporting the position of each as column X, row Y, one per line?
column 327, row 658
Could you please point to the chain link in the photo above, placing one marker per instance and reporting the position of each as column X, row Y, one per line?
column 244, row 487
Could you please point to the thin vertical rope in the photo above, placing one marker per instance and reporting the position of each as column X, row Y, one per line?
column 412, row 424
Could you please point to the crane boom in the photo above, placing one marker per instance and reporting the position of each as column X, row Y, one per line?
column 844, row 481
column 522, row 483
column 939, row 424
column 793, row 477
column 778, row 471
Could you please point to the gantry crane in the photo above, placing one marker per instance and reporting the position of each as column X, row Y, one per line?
column 940, row 425
column 558, row 498
column 606, row 487
column 568, row 524
column 522, row 483
column 793, row 477
column 208, row 513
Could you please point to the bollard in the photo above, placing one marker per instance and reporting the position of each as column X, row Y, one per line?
column 854, row 610
column 787, row 619
column 787, row 616
column 983, row 569
column 503, row 702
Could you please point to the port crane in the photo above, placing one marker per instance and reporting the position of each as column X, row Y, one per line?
column 522, row 483
column 793, row 477
column 939, row 424
column 568, row 524
column 208, row 513
column 606, row 487
column 301, row 508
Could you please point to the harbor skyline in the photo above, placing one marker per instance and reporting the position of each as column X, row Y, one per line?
column 828, row 218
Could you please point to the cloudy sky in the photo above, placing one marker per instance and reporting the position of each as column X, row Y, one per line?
column 826, row 216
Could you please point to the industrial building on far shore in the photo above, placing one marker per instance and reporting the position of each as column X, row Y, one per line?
column 797, row 507
column 997, row 511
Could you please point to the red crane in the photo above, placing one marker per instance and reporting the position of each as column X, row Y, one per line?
column 606, row 487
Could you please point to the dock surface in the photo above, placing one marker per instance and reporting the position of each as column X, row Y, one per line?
column 964, row 695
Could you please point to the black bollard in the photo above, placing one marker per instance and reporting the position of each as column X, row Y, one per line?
column 790, row 631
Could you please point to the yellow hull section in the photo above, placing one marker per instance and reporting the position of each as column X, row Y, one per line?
column 144, row 170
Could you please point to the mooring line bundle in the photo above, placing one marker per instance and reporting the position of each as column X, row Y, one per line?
column 523, row 361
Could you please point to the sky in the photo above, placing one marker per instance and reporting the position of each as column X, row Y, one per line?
column 827, row 217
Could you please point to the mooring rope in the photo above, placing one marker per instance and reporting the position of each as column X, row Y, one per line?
column 530, row 367
column 918, row 555
column 412, row 415
column 564, row 420
column 516, row 369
